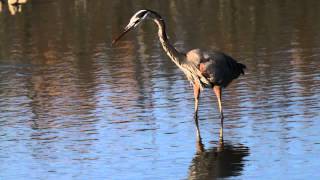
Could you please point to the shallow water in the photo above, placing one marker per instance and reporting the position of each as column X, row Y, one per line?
column 73, row 107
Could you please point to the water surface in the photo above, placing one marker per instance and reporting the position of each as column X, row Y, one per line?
column 73, row 107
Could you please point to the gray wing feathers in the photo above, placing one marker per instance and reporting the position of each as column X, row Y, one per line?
column 217, row 68
column 222, row 69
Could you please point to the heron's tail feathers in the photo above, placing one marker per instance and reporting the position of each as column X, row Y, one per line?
column 241, row 67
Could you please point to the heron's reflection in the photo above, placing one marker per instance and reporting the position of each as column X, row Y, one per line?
column 14, row 6
column 225, row 160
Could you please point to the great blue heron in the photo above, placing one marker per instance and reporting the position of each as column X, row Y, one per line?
column 203, row 70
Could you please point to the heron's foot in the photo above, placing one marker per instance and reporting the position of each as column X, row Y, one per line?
column 197, row 126
column 221, row 135
column 221, row 142
column 221, row 117
column 199, row 138
column 195, row 116
column 200, row 146
column 221, row 122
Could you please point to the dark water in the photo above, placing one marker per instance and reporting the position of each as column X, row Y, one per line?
column 73, row 107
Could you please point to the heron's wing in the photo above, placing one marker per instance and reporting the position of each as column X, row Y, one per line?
column 194, row 56
column 221, row 69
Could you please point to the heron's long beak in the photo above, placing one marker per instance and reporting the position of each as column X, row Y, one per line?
column 126, row 29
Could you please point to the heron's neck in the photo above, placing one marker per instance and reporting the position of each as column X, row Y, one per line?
column 171, row 51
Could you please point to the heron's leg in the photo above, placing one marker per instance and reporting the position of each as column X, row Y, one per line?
column 220, row 145
column 196, row 92
column 217, row 91
column 200, row 146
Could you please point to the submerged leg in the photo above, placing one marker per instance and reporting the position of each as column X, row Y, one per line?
column 199, row 146
column 220, row 147
column 217, row 91
column 196, row 92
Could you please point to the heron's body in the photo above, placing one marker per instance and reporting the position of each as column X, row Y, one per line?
column 215, row 70
column 218, row 68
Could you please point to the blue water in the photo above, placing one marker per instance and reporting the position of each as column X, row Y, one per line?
column 73, row 107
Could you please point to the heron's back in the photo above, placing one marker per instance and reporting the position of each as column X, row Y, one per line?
column 220, row 69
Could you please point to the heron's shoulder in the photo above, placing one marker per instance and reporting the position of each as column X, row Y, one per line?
column 202, row 54
column 198, row 52
column 197, row 55
column 219, row 56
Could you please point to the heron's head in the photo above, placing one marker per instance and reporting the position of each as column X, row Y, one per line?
column 135, row 20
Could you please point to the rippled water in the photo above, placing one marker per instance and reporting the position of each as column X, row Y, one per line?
column 73, row 107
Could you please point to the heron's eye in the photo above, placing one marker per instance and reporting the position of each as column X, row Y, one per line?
column 141, row 14
column 137, row 21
